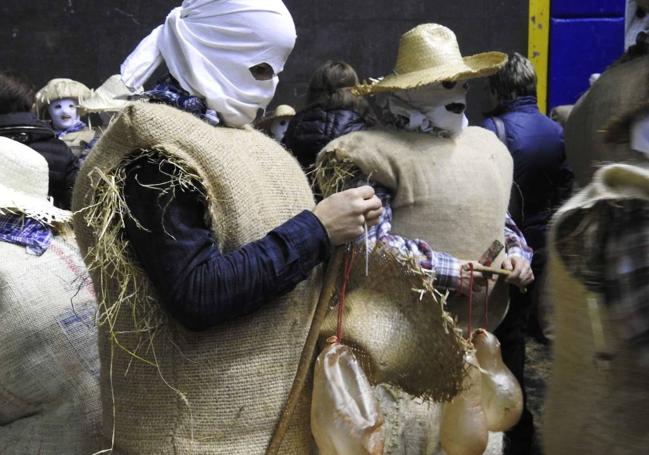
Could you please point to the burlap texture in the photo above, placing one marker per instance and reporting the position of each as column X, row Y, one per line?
column 452, row 193
column 620, row 89
column 412, row 425
column 78, row 140
column 399, row 329
column 49, row 364
column 589, row 408
column 235, row 377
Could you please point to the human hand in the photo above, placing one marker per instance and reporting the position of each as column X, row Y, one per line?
column 345, row 214
column 521, row 272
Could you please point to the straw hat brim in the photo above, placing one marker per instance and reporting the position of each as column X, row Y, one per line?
column 472, row 67
column 39, row 209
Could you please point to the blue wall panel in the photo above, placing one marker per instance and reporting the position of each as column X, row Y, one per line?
column 580, row 47
column 587, row 8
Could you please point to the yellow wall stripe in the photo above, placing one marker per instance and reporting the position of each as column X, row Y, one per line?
column 538, row 47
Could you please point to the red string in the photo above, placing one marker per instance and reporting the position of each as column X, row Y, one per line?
column 347, row 271
column 470, row 299
column 486, row 305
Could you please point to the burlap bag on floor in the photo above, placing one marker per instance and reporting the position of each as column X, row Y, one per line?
column 49, row 364
column 593, row 405
column 219, row 391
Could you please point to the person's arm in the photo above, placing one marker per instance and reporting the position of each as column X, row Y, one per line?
column 519, row 255
column 198, row 284
column 202, row 287
column 445, row 267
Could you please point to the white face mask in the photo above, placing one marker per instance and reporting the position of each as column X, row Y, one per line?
column 63, row 113
column 433, row 108
column 278, row 128
column 640, row 135
column 209, row 47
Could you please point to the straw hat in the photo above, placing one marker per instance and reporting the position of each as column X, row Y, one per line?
column 282, row 111
column 111, row 96
column 57, row 89
column 23, row 184
column 429, row 54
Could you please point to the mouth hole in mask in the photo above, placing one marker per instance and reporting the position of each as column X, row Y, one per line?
column 262, row 71
column 456, row 108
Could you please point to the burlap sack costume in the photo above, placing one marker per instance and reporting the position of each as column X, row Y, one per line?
column 49, row 365
column 214, row 392
column 453, row 193
column 594, row 405
column 615, row 93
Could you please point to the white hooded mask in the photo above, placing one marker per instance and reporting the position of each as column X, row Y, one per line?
column 432, row 108
column 209, row 47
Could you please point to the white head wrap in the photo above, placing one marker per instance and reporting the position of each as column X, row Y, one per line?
column 209, row 47
column 426, row 110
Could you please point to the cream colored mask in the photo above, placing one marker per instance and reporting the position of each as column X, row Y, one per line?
column 63, row 113
column 433, row 108
column 209, row 47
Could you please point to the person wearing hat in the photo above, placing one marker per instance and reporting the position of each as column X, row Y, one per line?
column 204, row 241
column 332, row 110
column 276, row 123
column 58, row 101
column 49, row 399
column 445, row 186
column 17, row 122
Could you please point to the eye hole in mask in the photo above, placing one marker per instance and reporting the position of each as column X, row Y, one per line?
column 262, row 72
column 450, row 85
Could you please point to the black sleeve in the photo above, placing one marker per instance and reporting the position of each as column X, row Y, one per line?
column 198, row 285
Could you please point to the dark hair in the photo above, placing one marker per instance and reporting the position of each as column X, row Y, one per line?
column 330, row 87
column 517, row 78
column 16, row 93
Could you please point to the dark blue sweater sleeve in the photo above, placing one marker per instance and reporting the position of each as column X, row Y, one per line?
column 199, row 286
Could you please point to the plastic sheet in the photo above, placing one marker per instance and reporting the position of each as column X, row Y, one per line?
column 345, row 415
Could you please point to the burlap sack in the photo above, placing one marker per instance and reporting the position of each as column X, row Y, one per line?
column 214, row 392
column 594, row 405
column 412, row 424
column 78, row 140
column 49, row 364
column 620, row 89
column 452, row 193
column 399, row 329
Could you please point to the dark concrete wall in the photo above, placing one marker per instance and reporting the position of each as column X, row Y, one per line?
column 86, row 40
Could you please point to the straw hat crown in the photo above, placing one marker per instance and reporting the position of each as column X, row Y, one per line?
column 57, row 89
column 24, row 183
column 429, row 54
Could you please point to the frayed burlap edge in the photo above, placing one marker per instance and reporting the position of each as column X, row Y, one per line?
column 110, row 261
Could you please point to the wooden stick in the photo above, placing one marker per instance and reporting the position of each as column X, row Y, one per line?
column 491, row 270
column 306, row 359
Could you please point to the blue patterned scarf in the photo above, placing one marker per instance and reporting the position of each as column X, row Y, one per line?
column 78, row 126
column 27, row 232
column 168, row 91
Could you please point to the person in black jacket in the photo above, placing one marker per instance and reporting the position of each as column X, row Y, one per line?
column 17, row 122
column 332, row 111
